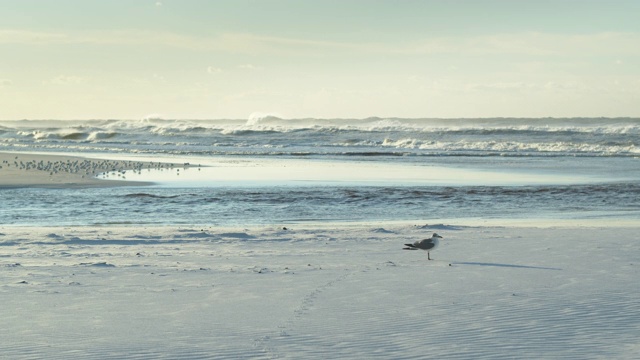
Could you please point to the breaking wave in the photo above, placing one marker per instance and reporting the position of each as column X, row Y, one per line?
column 266, row 134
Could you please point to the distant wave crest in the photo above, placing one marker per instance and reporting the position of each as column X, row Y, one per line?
column 268, row 134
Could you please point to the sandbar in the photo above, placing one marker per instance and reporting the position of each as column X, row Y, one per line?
column 23, row 170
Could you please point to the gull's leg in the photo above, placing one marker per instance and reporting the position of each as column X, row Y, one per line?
column 428, row 256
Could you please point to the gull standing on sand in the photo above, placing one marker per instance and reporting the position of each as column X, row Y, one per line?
column 425, row 244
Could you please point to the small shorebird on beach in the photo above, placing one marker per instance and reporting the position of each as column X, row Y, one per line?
column 426, row 244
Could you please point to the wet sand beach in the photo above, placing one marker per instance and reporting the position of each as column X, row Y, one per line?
column 317, row 291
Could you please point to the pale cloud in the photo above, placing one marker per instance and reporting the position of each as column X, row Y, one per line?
column 213, row 70
column 252, row 43
column 66, row 80
column 550, row 87
column 116, row 37
column 561, row 86
column 9, row 36
column 247, row 67
column 413, row 79
column 506, row 87
column 502, row 86
column 159, row 3
column 153, row 116
column 5, row 82
column 246, row 94
column 158, row 78
column 149, row 80
column 528, row 43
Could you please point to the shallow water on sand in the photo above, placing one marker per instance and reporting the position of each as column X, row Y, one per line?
column 250, row 192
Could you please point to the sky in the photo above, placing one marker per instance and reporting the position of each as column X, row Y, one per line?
column 232, row 59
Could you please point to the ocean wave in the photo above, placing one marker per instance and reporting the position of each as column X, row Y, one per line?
column 270, row 135
column 68, row 134
column 152, row 196
column 482, row 127
column 100, row 135
column 272, row 123
column 520, row 147
column 172, row 149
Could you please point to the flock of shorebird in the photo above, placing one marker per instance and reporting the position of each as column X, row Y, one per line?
column 88, row 168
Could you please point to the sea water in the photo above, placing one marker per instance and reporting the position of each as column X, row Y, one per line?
column 282, row 171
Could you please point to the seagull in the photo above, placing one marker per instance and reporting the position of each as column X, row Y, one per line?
column 425, row 244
